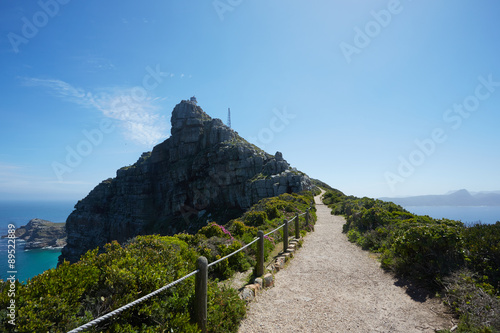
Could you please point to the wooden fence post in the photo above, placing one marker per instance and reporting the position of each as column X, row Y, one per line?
column 259, row 270
column 200, row 291
column 285, row 236
column 307, row 219
column 297, row 230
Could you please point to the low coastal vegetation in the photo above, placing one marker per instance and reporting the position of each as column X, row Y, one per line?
column 457, row 262
column 66, row 297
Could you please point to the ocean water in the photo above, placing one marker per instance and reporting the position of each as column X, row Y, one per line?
column 19, row 213
column 466, row 214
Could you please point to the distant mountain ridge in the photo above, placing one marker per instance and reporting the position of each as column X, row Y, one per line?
column 456, row 198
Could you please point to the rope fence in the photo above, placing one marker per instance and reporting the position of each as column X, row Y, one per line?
column 129, row 305
column 233, row 253
column 202, row 277
column 278, row 228
column 281, row 226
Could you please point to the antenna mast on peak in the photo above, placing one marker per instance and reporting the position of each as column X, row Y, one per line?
column 229, row 117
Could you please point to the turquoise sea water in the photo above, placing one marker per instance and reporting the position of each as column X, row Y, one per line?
column 33, row 262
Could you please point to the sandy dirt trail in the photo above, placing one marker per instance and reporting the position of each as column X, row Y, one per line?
column 332, row 285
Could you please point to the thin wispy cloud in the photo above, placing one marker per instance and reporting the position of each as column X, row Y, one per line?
column 7, row 170
column 138, row 116
column 15, row 175
column 58, row 88
column 17, row 180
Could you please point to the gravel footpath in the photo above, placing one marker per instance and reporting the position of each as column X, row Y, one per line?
column 332, row 285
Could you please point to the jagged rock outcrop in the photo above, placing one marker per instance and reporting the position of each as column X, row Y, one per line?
column 204, row 170
column 40, row 234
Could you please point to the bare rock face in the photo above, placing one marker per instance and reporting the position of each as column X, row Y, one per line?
column 40, row 234
column 204, row 170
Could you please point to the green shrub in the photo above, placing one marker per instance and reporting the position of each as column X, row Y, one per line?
column 482, row 249
column 273, row 212
column 428, row 251
column 240, row 230
column 225, row 309
column 61, row 299
column 71, row 295
column 332, row 197
column 236, row 263
column 255, row 218
column 214, row 230
column 353, row 235
column 50, row 300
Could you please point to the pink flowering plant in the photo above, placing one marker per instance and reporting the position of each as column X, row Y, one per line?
column 214, row 229
column 270, row 239
column 224, row 230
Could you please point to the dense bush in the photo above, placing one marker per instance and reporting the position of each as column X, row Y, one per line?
column 332, row 197
column 225, row 309
column 256, row 218
column 482, row 250
column 429, row 251
column 71, row 295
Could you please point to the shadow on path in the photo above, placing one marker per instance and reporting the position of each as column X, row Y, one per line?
column 416, row 292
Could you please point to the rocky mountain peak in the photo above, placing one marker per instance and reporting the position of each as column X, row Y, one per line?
column 187, row 114
column 204, row 170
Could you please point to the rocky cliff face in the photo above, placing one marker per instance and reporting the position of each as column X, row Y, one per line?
column 40, row 234
column 204, row 170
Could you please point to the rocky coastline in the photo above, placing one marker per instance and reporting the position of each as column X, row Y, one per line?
column 42, row 234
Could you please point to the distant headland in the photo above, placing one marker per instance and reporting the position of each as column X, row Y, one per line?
column 42, row 234
column 455, row 198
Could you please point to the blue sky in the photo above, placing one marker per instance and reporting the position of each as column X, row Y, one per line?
column 376, row 98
